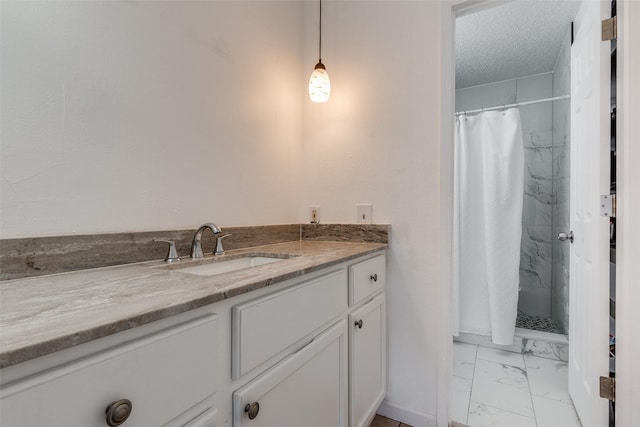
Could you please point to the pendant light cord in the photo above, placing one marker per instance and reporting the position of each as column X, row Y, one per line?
column 320, row 41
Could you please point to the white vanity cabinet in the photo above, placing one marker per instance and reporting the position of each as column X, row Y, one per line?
column 308, row 388
column 151, row 381
column 271, row 326
column 335, row 376
column 290, row 332
column 366, row 278
column 309, row 351
column 367, row 339
column 367, row 361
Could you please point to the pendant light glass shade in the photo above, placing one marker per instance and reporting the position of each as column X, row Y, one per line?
column 319, row 84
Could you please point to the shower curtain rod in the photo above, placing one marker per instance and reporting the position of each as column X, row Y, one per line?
column 517, row 104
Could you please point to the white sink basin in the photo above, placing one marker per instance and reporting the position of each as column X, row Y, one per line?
column 226, row 266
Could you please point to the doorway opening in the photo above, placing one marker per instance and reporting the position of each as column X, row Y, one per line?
column 521, row 63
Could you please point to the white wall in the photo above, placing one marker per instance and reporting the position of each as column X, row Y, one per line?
column 133, row 116
column 377, row 141
column 628, row 232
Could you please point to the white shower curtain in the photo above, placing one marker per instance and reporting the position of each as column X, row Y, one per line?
column 488, row 194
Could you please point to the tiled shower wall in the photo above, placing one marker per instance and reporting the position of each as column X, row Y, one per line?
column 561, row 138
column 536, row 271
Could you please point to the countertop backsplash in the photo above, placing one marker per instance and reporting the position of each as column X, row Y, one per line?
column 37, row 256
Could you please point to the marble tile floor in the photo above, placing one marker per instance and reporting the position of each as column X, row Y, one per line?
column 498, row 388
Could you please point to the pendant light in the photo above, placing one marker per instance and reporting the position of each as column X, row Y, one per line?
column 319, row 85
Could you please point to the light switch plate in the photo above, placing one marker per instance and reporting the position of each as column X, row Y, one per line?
column 364, row 213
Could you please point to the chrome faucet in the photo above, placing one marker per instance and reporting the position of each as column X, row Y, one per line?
column 219, row 248
column 196, row 245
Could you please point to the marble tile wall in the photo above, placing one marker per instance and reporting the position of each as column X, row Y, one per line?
column 537, row 218
column 561, row 138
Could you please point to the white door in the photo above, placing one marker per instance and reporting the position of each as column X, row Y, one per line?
column 589, row 282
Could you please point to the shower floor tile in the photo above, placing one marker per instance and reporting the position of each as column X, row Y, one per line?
column 509, row 389
column 538, row 323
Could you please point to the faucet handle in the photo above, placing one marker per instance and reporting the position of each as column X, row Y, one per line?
column 219, row 248
column 172, row 255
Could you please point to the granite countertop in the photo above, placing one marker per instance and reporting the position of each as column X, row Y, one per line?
column 45, row 314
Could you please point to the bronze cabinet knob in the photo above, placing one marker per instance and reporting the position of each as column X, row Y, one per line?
column 252, row 409
column 358, row 323
column 373, row 277
column 118, row 412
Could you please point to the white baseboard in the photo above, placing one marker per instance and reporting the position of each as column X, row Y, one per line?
column 406, row 415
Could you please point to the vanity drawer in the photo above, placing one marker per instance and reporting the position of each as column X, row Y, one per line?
column 267, row 326
column 366, row 278
column 156, row 373
column 306, row 389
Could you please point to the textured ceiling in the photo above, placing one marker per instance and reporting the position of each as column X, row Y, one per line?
column 516, row 39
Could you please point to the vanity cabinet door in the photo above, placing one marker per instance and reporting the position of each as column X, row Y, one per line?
column 367, row 361
column 156, row 380
column 308, row 388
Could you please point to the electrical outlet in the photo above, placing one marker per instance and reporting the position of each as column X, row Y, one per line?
column 364, row 213
column 314, row 214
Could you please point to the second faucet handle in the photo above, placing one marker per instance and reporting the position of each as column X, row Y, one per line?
column 172, row 255
column 219, row 248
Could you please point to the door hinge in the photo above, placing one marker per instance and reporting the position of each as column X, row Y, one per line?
column 608, row 205
column 608, row 388
column 609, row 29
